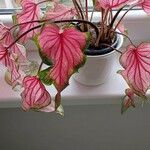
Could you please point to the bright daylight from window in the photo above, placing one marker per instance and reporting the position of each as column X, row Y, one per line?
column 9, row 4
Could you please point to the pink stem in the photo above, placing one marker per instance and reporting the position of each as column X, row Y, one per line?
column 86, row 9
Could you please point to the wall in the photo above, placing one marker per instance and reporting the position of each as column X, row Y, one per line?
column 99, row 127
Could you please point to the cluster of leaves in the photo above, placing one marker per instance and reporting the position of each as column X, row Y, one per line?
column 61, row 48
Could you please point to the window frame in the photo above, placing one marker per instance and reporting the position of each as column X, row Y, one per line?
column 133, row 21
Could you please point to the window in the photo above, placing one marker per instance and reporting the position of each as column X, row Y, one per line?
column 133, row 21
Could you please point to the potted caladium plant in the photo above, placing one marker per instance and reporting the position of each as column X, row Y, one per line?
column 65, row 36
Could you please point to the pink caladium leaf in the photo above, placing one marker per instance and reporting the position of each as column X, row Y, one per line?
column 136, row 64
column 6, row 40
column 110, row 4
column 145, row 4
column 34, row 96
column 30, row 12
column 10, row 64
column 128, row 100
column 49, row 108
column 65, row 48
column 60, row 12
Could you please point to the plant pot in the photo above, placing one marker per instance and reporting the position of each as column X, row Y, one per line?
column 98, row 66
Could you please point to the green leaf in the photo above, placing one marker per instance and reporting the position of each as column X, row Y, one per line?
column 43, row 76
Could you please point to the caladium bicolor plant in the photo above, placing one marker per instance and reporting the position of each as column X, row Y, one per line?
column 61, row 34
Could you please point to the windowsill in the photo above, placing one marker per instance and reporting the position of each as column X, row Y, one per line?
column 75, row 94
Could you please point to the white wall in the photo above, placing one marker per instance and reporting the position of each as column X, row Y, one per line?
column 98, row 127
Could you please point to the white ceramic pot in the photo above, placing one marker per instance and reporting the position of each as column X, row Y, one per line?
column 97, row 69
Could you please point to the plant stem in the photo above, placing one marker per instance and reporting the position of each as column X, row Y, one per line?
column 84, row 27
column 57, row 100
column 77, row 10
column 113, row 48
column 86, row 9
column 103, row 26
column 126, row 37
column 40, row 67
column 123, row 16
column 115, row 17
column 82, row 8
column 59, row 21
column 81, row 21
column 36, row 27
column 33, row 21
column 92, row 15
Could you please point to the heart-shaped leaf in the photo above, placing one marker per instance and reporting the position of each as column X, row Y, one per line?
column 136, row 64
column 64, row 47
column 30, row 12
column 34, row 96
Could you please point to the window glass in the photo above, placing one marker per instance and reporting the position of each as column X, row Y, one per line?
column 13, row 4
column 2, row 4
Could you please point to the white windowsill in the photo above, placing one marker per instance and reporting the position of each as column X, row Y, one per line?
column 75, row 94
column 110, row 92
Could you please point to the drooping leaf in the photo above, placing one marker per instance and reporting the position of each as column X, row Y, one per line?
column 10, row 64
column 13, row 56
column 65, row 48
column 60, row 12
column 30, row 12
column 7, row 39
column 136, row 64
column 35, row 95
column 49, row 108
column 110, row 4
column 128, row 101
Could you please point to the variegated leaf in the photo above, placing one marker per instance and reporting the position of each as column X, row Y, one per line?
column 10, row 64
column 60, row 12
column 30, row 12
column 34, row 96
column 64, row 47
column 110, row 4
column 145, row 5
column 136, row 64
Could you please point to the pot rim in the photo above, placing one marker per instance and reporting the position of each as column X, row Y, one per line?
column 118, row 46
